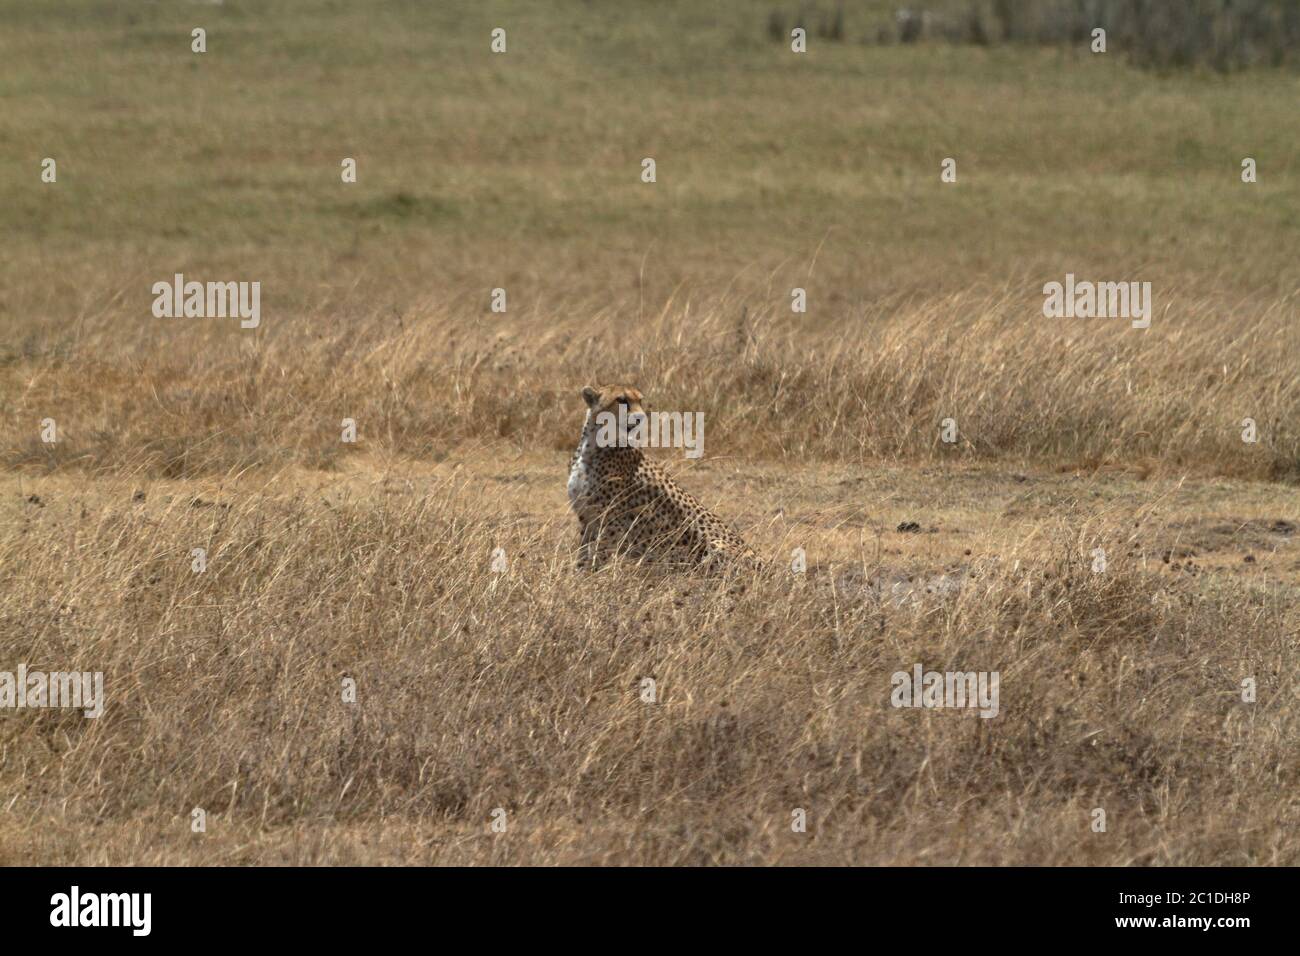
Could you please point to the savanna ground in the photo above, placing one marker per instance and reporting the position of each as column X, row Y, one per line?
column 1120, row 689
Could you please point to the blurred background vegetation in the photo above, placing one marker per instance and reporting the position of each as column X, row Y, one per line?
column 522, row 170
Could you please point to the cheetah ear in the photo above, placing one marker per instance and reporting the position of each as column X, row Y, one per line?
column 591, row 395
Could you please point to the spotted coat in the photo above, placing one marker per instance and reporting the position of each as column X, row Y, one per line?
column 628, row 505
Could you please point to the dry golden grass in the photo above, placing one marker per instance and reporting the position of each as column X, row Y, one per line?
column 862, row 386
column 329, row 561
column 521, row 690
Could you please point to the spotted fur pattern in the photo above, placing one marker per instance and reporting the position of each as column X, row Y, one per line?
column 628, row 505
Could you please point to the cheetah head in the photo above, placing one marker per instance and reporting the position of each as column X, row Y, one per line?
column 614, row 410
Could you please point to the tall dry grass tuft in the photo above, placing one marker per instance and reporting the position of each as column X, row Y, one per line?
column 522, row 691
column 1222, row 35
column 873, row 384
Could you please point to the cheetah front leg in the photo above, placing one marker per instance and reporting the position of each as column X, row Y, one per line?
column 589, row 554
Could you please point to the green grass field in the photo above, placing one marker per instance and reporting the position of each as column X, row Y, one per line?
column 521, row 170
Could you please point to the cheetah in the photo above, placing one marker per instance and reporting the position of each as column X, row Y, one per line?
column 627, row 505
